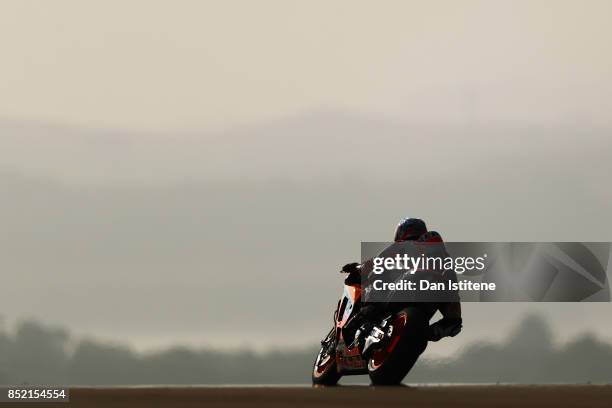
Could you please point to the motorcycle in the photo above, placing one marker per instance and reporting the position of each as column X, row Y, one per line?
column 395, row 342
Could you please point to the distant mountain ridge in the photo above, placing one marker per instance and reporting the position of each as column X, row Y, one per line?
column 313, row 146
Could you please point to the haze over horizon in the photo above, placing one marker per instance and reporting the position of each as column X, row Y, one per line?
column 134, row 246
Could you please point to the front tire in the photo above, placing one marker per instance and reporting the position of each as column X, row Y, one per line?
column 390, row 365
column 325, row 369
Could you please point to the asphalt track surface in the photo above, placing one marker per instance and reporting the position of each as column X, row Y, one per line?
column 472, row 396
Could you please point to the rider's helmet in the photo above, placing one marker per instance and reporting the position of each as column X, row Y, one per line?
column 409, row 229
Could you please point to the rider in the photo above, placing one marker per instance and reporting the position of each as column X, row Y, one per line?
column 408, row 229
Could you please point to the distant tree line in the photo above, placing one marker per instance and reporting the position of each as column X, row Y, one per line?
column 38, row 354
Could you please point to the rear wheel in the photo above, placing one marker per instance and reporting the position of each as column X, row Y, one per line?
column 389, row 365
column 325, row 370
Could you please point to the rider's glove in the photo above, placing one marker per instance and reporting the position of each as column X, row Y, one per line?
column 446, row 327
column 350, row 268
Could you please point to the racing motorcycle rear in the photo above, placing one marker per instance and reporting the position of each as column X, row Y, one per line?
column 394, row 343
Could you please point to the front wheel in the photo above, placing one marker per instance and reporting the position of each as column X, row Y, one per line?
column 325, row 370
column 389, row 365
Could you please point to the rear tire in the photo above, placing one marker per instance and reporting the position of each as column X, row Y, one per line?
column 408, row 340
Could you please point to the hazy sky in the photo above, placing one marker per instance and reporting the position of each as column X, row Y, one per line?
column 335, row 119
column 200, row 64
